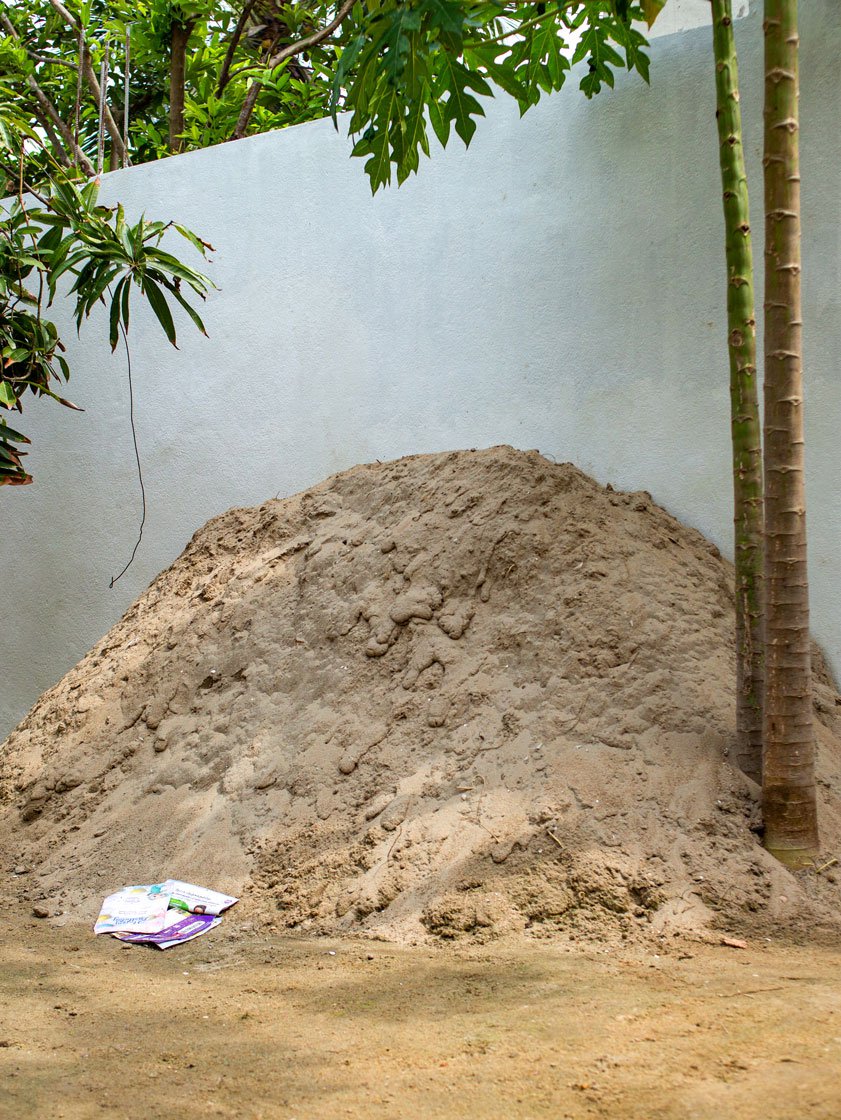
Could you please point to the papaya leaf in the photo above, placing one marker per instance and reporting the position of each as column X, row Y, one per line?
column 651, row 9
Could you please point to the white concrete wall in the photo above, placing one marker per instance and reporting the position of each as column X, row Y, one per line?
column 559, row 286
column 683, row 15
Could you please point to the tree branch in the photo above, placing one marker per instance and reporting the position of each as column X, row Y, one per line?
column 51, row 61
column 311, row 40
column 247, row 110
column 48, row 127
column 66, row 16
column 282, row 55
column 225, row 73
column 49, row 110
column 93, row 84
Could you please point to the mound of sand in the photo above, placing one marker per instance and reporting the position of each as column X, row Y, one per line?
column 461, row 694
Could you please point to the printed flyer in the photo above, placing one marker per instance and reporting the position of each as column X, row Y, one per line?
column 179, row 928
column 137, row 909
column 196, row 900
column 162, row 914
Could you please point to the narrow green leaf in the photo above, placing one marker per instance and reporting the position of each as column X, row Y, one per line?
column 157, row 302
column 125, row 301
column 191, row 311
column 114, row 317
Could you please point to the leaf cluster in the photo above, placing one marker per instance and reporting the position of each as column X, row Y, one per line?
column 411, row 66
column 405, row 69
column 222, row 61
column 57, row 236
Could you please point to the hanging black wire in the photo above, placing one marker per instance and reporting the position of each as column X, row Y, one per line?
column 137, row 460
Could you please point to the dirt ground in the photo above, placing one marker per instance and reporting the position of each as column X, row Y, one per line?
column 474, row 704
column 250, row 1024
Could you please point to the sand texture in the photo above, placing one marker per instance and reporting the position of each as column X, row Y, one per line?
column 461, row 695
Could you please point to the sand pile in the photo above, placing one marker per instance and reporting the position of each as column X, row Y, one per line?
column 469, row 693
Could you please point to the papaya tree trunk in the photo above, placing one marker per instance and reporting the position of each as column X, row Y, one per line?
column 744, row 397
column 788, row 794
column 178, row 64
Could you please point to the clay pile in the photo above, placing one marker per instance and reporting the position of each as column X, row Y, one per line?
column 466, row 694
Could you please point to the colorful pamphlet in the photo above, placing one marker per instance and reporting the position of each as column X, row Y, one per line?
column 135, row 909
column 162, row 914
column 196, row 900
column 180, row 928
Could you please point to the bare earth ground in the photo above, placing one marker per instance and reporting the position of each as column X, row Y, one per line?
column 258, row 1026
column 471, row 703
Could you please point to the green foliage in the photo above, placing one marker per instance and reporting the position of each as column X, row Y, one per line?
column 215, row 86
column 59, row 234
column 411, row 65
column 401, row 67
column 651, row 10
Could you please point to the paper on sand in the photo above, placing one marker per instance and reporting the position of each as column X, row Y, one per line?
column 180, row 927
column 197, row 900
column 162, row 914
column 141, row 909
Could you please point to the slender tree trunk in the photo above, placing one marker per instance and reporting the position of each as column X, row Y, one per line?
column 180, row 38
column 788, row 794
column 744, row 397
